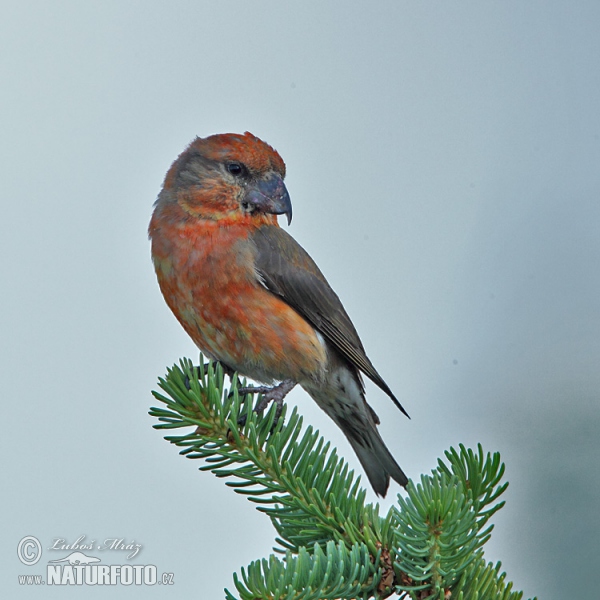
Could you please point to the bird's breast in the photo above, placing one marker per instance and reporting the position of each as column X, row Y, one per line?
column 207, row 275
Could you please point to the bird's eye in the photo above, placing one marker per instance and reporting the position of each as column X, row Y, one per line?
column 235, row 168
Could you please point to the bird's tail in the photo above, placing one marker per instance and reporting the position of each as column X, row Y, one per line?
column 376, row 459
column 342, row 397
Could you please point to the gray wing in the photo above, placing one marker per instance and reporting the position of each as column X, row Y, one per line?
column 289, row 272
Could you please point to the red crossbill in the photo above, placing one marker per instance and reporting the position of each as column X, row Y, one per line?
column 251, row 297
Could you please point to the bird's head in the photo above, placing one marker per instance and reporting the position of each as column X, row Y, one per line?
column 229, row 177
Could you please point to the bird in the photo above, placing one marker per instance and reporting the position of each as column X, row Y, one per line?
column 252, row 298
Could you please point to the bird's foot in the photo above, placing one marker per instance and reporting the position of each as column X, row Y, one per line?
column 275, row 393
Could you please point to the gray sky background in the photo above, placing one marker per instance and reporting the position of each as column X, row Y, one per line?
column 443, row 162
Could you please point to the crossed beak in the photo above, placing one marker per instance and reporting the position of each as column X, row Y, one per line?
column 270, row 196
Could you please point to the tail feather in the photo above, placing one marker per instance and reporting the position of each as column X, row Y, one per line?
column 376, row 459
column 341, row 396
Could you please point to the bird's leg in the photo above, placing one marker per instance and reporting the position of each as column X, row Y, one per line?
column 226, row 369
column 270, row 394
column 274, row 393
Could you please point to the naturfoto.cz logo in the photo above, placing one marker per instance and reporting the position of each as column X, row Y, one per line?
column 80, row 567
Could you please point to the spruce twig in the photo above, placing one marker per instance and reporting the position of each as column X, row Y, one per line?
column 334, row 545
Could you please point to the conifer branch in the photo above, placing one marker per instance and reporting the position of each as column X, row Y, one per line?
column 334, row 545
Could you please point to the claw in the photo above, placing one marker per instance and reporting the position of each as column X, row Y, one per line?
column 274, row 393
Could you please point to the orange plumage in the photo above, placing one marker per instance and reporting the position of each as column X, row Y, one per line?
column 249, row 296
